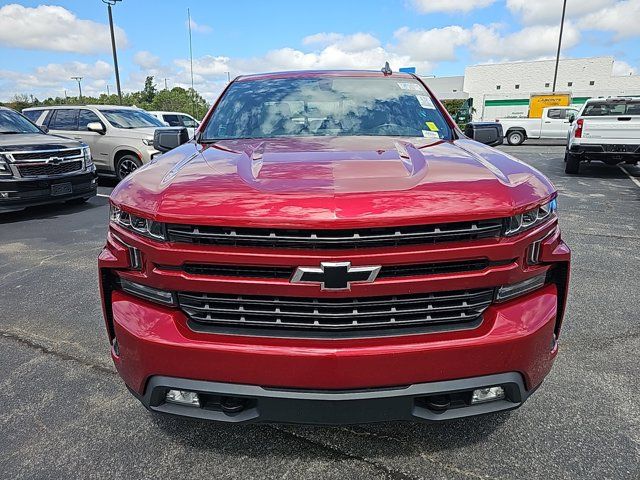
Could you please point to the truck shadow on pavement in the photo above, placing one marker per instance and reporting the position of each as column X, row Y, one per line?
column 371, row 440
column 54, row 210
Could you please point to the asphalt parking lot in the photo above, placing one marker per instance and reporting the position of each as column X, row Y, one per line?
column 65, row 413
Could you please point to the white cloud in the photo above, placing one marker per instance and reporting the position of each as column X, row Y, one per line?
column 349, row 43
column 434, row 45
column 450, row 6
column 621, row 68
column 146, row 60
column 49, row 27
column 621, row 19
column 52, row 79
column 198, row 27
column 535, row 42
column 550, row 11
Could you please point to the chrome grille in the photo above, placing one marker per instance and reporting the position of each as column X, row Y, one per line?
column 46, row 169
column 336, row 314
column 46, row 154
column 271, row 271
column 327, row 238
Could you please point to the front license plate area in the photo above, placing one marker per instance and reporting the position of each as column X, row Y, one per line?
column 61, row 189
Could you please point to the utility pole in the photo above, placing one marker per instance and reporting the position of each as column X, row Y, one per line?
column 555, row 75
column 108, row 94
column 110, row 3
column 193, row 96
column 228, row 77
column 78, row 79
column 165, row 84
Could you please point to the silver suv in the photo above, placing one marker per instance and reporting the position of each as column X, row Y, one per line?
column 121, row 138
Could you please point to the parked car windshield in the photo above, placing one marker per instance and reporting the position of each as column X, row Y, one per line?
column 611, row 108
column 12, row 122
column 326, row 106
column 131, row 118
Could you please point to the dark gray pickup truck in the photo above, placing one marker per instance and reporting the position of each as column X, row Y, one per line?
column 37, row 168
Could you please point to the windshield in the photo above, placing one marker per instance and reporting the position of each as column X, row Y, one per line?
column 612, row 108
column 326, row 106
column 12, row 122
column 131, row 118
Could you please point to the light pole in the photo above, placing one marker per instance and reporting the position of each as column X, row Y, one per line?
column 78, row 79
column 555, row 75
column 110, row 3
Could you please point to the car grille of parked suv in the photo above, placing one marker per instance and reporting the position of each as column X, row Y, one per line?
column 461, row 308
column 43, row 155
column 341, row 239
column 46, row 169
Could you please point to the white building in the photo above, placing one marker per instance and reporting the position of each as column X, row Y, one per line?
column 504, row 89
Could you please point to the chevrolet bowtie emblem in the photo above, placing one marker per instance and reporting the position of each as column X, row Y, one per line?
column 335, row 275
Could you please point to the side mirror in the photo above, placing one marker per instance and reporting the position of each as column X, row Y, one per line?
column 165, row 139
column 96, row 127
column 43, row 128
column 489, row 133
column 572, row 118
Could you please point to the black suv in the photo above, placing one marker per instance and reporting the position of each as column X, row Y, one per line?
column 37, row 168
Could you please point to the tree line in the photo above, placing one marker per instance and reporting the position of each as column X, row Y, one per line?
column 177, row 99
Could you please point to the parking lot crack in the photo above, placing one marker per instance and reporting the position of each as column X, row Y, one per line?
column 49, row 351
column 393, row 474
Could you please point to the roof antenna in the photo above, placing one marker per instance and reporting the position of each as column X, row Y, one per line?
column 386, row 69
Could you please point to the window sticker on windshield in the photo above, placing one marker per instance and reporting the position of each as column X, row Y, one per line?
column 425, row 102
column 430, row 134
column 432, row 126
column 409, row 86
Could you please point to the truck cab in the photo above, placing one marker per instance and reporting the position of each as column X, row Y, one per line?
column 554, row 124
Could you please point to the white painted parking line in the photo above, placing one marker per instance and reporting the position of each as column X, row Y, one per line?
column 633, row 179
column 102, row 195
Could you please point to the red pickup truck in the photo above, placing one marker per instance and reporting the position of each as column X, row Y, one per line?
column 330, row 248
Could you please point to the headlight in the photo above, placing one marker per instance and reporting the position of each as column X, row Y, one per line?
column 525, row 221
column 143, row 226
column 86, row 153
column 5, row 171
column 148, row 141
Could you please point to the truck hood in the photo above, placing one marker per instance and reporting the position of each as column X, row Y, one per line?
column 332, row 181
column 34, row 141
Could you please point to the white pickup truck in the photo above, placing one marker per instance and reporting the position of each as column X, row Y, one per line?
column 608, row 130
column 554, row 124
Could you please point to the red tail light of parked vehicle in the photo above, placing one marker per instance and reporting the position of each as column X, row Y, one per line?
column 330, row 248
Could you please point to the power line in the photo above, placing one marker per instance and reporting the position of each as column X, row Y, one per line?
column 555, row 75
column 78, row 79
column 193, row 97
column 113, row 46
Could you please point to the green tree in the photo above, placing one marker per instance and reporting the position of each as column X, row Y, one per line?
column 149, row 91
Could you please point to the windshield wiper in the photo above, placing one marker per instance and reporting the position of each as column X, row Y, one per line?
column 11, row 132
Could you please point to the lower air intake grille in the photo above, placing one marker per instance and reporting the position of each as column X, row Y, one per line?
column 336, row 314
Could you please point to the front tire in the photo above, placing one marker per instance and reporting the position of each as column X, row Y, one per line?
column 572, row 163
column 127, row 164
column 515, row 138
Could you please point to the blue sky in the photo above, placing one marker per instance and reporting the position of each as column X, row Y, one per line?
column 42, row 45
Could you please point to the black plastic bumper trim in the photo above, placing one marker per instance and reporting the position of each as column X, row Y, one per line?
column 327, row 407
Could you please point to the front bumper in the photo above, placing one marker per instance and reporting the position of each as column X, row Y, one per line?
column 154, row 342
column 253, row 404
column 21, row 193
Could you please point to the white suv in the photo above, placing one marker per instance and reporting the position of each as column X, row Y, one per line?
column 121, row 138
column 178, row 119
